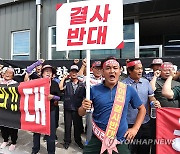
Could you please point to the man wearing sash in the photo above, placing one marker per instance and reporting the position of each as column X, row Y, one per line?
column 110, row 101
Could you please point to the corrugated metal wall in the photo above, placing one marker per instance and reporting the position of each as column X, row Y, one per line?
column 22, row 16
column 15, row 17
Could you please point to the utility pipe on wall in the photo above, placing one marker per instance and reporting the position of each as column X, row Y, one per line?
column 38, row 28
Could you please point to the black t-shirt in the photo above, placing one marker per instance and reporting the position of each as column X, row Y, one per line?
column 34, row 75
column 54, row 90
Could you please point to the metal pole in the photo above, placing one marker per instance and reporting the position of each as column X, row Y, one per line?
column 67, row 51
column 88, row 57
column 89, row 112
column 38, row 28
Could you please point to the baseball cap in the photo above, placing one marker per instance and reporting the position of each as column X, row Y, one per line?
column 157, row 62
column 74, row 67
column 96, row 64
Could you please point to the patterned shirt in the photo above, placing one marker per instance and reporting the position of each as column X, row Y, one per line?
column 2, row 81
column 93, row 79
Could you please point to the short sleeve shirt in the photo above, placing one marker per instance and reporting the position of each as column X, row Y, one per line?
column 163, row 100
column 93, row 80
column 103, row 99
column 144, row 90
column 2, row 81
column 149, row 76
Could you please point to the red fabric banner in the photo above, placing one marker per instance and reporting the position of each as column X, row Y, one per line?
column 35, row 106
column 168, row 131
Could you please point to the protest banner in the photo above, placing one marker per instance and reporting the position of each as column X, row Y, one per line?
column 26, row 106
column 86, row 25
column 168, row 129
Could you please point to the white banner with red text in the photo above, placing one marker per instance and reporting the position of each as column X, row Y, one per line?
column 86, row 25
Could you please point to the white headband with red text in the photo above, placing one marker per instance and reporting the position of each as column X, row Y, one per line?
column 110, row 61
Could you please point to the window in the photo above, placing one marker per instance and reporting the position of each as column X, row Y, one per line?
column 172, row 45
column 128, row 50
column 52, row 53
column 104, row 53
column 129, row 39
column 58, row 54
column 20, row 45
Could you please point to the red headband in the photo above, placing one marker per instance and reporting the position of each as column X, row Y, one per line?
column 166, row 66
column 110, row 61
column 133, row 63
column 96, row 64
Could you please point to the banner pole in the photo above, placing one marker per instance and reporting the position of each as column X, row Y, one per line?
column 88, row 57
column 89, row 114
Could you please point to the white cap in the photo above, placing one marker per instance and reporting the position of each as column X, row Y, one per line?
column 7, row 68
column 157, row 61
column 74, row 67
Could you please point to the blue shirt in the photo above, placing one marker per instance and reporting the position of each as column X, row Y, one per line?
column 149, row 76
column 103, row 99
column 144, row 90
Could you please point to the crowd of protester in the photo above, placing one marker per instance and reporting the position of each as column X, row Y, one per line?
column 161, row 87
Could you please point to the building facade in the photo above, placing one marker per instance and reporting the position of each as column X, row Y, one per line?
column 28, row 30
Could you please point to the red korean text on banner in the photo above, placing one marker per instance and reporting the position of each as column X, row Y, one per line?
column 35, row 106
column 78, row 15
column 74, row 34
column 168, row 131
column 89, row 25
column 98, row 16
column 101, row 35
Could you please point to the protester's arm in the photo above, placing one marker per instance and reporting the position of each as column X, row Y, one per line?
column 26, row 77
column 157, row 104
column 54, row 97
column 83, row 67
column 34, row 65
column 61, row 84
column 131, row 132
column 153, row 81
column 30, row 68
column 177, row 75
column 166, row 90
column 76, row 61
column 86, row 105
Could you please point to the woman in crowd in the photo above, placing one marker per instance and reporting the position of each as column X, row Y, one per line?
column 47, row 72
column 8, row 74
